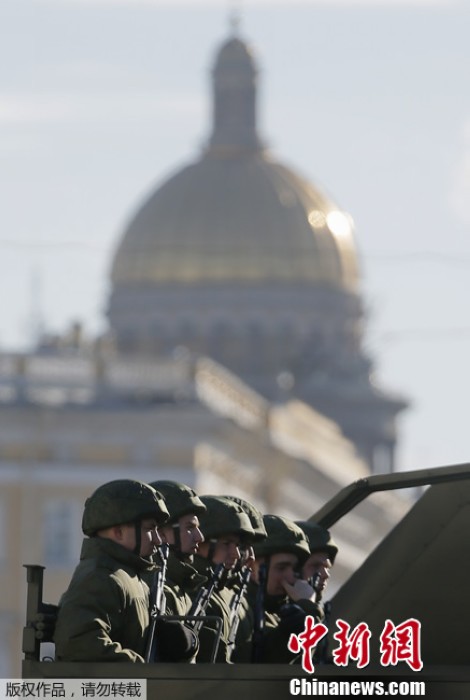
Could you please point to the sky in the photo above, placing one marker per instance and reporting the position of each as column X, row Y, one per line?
column 101, row 100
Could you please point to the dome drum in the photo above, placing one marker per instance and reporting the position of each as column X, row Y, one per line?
column 289, row 326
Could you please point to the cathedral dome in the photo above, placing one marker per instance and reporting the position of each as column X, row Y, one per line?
column 237, row 215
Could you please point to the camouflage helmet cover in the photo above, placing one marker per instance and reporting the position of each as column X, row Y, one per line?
column 319, row 538
column 222, row 517
column 254, row 515
column 283, row 536
column 180, row 499
column 122, row 501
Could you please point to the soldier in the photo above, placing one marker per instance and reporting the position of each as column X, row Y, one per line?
column 184, row 537
column 226, row 527
column 316, row 570
column 104, row 614
column 257, row 523
column 323, row 551
column 279, row 600
column 241, row 622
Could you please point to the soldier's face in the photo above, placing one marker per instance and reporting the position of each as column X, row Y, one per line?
column 282, row 567
column 149, row 537
column 319, row 565
column 190, row 534
column 226, row 551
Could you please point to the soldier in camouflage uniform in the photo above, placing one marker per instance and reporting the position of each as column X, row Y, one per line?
column 184, row 537
column 259, row 531
column 316, row 570
column 323, row 551
column 241, row 622
column 279, row 600
column 104, row 614
column 226, row 527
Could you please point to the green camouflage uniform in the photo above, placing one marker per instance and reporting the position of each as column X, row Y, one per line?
column 104, row 614
column 282, row 617
column 222, row 517
column 218, row 606
column 182, row 581
column 278, row 626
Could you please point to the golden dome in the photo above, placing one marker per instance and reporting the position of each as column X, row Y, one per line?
column 237, row 217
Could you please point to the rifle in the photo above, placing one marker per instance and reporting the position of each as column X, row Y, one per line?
column 314, row 581
column 322, row 649
column 235, row 603
column 202, row 600
column 258, row 627
column 157, row 602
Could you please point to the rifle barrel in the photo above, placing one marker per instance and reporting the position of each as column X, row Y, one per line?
column 157, row 602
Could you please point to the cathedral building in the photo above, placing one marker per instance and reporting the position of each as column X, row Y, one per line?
column 240, row 258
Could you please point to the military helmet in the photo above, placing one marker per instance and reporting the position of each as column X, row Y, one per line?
column 283, row 535
column 256, row 518
column 319, row 539
column 222, row 517
column 122, row 501
column 180, row 499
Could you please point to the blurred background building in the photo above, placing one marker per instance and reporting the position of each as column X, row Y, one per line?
column 234, row 362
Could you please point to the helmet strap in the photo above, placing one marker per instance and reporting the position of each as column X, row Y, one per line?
column 138, row 536
column 265, row 576
column 211, row 550
column 177, row 535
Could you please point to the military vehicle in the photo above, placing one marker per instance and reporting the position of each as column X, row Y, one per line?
column 420, row 571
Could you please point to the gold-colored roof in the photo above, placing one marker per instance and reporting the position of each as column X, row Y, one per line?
column 237, row 217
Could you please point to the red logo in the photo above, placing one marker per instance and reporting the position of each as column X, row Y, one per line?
column 352, row 645
column 307, row 641
column 397, row 643
column 401, row 643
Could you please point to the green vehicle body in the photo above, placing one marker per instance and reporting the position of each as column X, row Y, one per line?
column 420, row 570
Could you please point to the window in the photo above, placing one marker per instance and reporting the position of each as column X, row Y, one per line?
column 61, row 532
